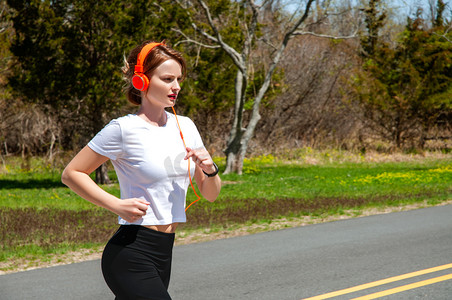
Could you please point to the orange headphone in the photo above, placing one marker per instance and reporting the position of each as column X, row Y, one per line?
column 139, row 80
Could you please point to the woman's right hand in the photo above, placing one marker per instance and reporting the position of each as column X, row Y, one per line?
column 76, row 176
column 131, row 209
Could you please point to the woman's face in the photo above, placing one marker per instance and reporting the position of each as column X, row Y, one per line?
column 164, row 84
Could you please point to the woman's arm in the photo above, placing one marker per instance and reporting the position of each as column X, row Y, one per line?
column 76, row 177
column 208, row 186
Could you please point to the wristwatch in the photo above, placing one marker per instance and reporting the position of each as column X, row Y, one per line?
column 214, row 173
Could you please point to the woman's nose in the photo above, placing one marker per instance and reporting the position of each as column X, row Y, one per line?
column 176, row 86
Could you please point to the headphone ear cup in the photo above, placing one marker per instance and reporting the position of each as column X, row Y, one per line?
column 140, row 82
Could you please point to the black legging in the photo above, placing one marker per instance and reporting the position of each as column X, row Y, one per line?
column 136, row 263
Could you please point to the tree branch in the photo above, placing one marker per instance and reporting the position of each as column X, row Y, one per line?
column 252, row 31
column 238, row 61
column 190, row 40
column 326, row 35
column 300, row 21
column 265, row 41
column 255, row 116
column 444, row 34
column 205, row 34
column 235, row 56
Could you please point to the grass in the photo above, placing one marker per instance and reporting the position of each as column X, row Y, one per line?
column 40, row 217
column 278, row 189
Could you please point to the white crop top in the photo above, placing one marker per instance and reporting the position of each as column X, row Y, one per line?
column 149, row 162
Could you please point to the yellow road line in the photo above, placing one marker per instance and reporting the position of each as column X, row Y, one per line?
column 405, row 287
column 379, row 282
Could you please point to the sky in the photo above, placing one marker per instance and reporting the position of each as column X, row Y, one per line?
column 403, row 8
column 409, row 7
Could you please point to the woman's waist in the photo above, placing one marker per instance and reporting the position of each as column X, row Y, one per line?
column 168, row 228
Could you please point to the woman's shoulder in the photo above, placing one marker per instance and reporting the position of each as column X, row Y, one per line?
column 126, row 120
column 183, row 120
column 118, row 125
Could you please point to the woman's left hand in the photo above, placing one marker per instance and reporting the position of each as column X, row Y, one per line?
column 201, row 158
column 209, row 186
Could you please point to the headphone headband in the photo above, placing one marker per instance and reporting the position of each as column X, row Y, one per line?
column 143, row 54
column 139, row 80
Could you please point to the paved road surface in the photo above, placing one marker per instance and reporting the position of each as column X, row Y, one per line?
column 294, row 263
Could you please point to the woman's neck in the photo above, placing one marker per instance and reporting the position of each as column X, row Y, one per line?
column 156, row 117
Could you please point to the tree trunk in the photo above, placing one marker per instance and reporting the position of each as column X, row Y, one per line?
column 102, row 175
column 234, row 162
column 422, row 138
column 98, row 124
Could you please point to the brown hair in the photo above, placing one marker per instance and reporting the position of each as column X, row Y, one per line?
column 155, row 58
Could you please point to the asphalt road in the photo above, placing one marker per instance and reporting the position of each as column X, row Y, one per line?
column 293, row 263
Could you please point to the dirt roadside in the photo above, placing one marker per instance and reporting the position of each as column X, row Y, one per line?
column 204, row 235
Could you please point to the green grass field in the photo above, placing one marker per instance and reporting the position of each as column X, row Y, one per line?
column 40, row 216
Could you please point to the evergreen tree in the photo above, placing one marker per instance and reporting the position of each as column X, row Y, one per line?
column 374, row 19
column 69, row 56
column 406, row 90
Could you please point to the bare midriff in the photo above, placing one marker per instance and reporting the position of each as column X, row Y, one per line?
column 170, row 228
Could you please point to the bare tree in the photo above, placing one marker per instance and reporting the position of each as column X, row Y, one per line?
column 4, row 22
column 310, row 111
column 240, row 134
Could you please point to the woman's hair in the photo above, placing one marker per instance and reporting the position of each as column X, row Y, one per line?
column 155, row 58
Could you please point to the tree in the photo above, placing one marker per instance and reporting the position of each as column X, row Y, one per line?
column 5, row 40
column 248, row 16
column 374, row 20
column 69, row 56
column 406, row 90
column 433, row 58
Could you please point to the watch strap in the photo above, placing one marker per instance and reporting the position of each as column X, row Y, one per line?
column 214, row 173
